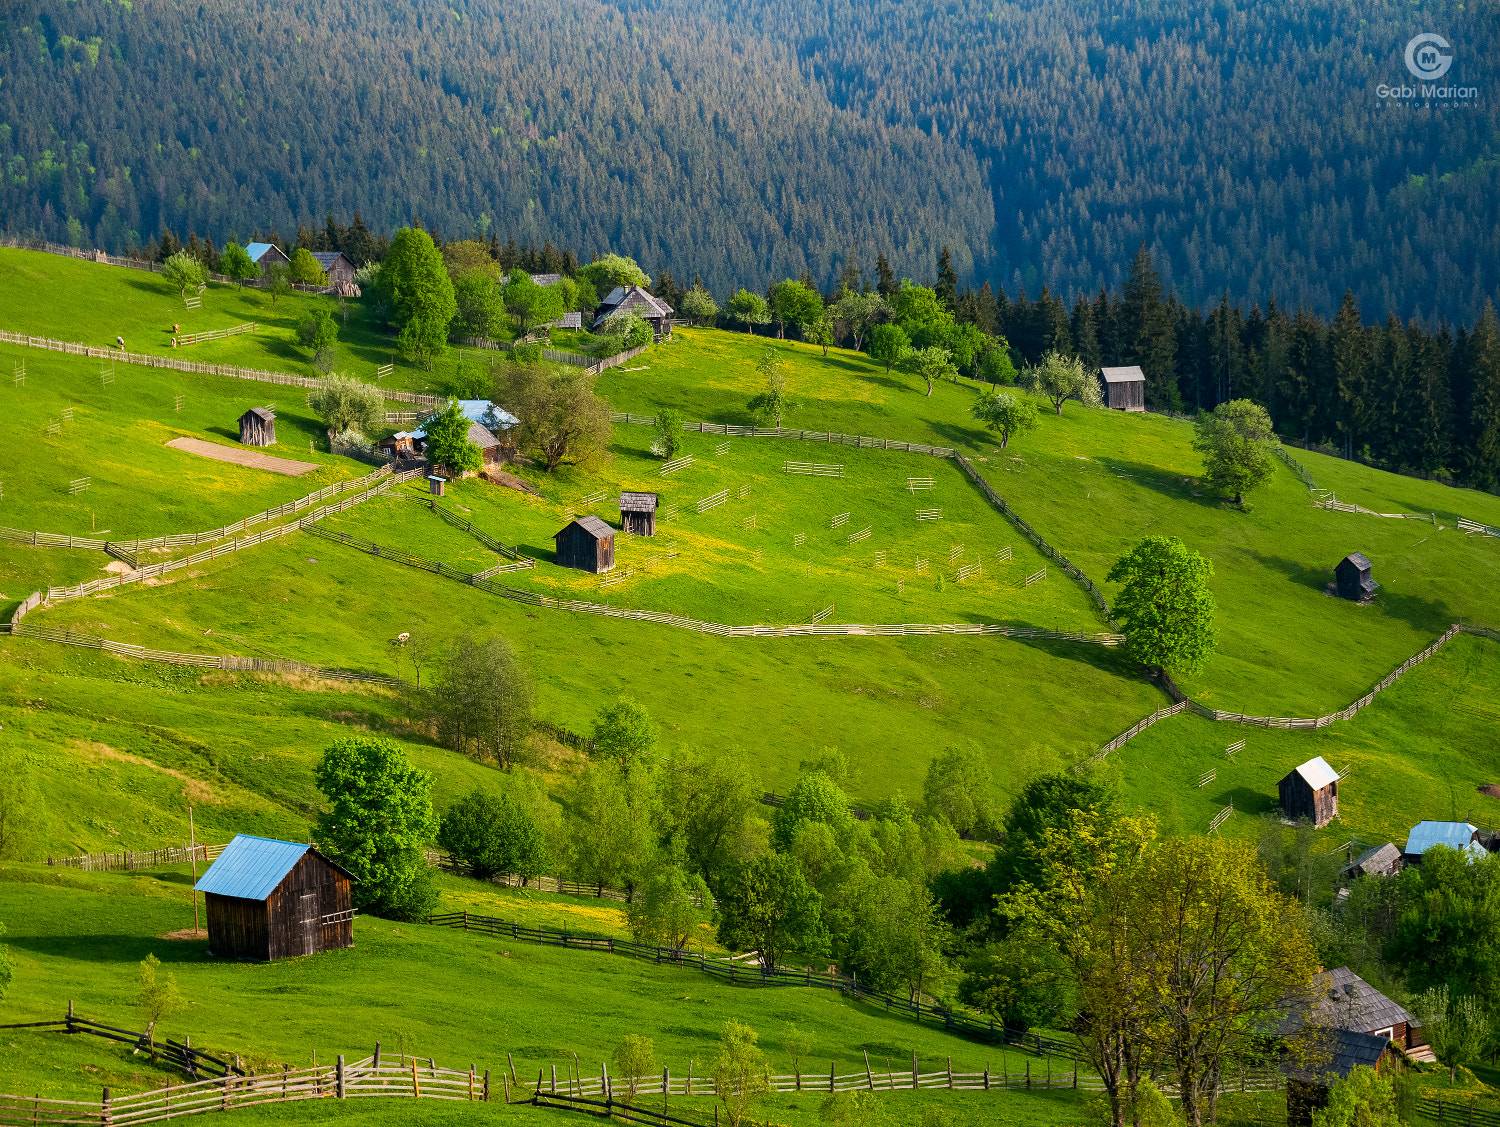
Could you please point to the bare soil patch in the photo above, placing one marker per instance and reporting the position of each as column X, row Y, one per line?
column 248, row 458
column 1491, row 789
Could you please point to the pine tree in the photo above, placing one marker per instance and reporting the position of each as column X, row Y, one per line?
column 987, row 311
column 1349, row 345
column 1147, row 334
column 887, row 286
column 947, row 283
column 1226, row 351
column 1052, row 329
column 1085, row 339
column 1483, row 376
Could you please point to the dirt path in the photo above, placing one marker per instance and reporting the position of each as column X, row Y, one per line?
column 242, row 457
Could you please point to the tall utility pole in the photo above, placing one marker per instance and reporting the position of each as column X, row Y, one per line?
column 193, row 856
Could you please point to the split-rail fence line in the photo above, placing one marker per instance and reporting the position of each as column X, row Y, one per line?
column 1184, row 703
column 138, row 859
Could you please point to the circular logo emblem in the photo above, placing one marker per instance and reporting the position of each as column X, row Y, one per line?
column 1425, row 58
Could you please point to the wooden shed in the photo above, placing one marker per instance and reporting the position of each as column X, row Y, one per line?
column 266, row 255
column 587, row 544
column 1124, row 388
column 1382, row 861
column 638, row 513
column 339, row 269
column 1343, row 1000
column 1311, row 791
column 634, row 299
column 258, row 427
column 271, row 899
column 1352, row 578
column 1340, row 1051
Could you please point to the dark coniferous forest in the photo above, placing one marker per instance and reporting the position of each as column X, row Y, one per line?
column 1043, row 141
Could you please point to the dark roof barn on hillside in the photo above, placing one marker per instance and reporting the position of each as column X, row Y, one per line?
column 1341, row 1051
column 1352, row 576
column 1312, row 792
column 633, row 299
column 271, row 899
column 1382, row 861
column 258, row 427
column 1124, row 388
column 1343, row 1000
column 638, row 513
column 339, row 269
column 587, row 544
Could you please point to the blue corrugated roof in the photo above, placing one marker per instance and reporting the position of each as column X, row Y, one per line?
column 1456, row 835
column 255, row 250
column 476, row 409
column 251, row 867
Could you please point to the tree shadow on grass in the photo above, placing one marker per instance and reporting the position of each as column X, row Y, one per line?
column 1247, row 800
column 1161, row 481
column 1414, row 610
column 103, row 949
column 960, row 436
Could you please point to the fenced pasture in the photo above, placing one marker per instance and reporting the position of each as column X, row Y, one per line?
column 47, row 296
column 140, row 489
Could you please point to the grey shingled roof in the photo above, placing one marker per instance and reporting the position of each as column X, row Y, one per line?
column 546, row 279
column 1339, row 1052
column 592, row 525
column 1346, row 1001
column 1358, row 560
column 480, row 436
column 262, row 413
column 627, row 298
column 326, row 258
column 638, row 502
column 1132, row 374
column 1379, row 859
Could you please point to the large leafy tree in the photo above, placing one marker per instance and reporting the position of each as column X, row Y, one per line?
column 482, row 700
column 493, row 834
column 1005, row 413
column 305, row 269
column 377, row 821
column 561, row 420
column 611, row 270
column 888, row 344
column 794, row 303
column 419, row 294
column 345, row 403
column 530, row 303
column 1238, row 446
column 1060, row 378
column 769, row 907
column 710, row 805
column 930, row 364
column 814, row 798
column 669, row 908
column 624, row 731
column 957, row 789
column 1165, row 605
column 748, row 309
column 612, row 826
column 698, row 305
column 477, row 305
column 448, row 443
column 856, row 313
column 184, row 272
column 235, row 263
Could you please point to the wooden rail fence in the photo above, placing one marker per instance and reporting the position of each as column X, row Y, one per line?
column 1031, row 534
column 1182, row 702
column 179, row 1054
column 140, row 859
column 192, row 539
column 483, row 537
column 214, row 334
column 146, row 360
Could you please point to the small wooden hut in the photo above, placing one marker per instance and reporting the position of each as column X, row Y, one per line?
column 1352, row 578
column 634, row 299
column 1124, row 388
column 266, row 255
column 258, row 427
column 587, row 544
column 1382, row 861
column 638, row 513
column 339, row 269
column 1463, row 836
column 1340, row 1052
column 271, row 899
column 1311, row 791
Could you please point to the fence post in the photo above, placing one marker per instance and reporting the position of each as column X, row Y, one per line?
column 830, row 1076
column 914, row 1068
column 986, row 1078
column 105, row 1118
column 950, row 1072
column 416, row 1087
column 1028, row 1075
column 486, row 1086
column 869, row 1079
column 339, row 1083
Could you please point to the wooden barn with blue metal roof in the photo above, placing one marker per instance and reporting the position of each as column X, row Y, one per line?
column 271, row 899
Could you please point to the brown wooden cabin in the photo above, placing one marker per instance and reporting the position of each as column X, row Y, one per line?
column 638, row 513
column 1343, row 1000
column 1312, row 792
column 1381, row 861
column 634, row 299
column 266, row 255
column 1124, row 388
column 258, row 427
column 339, row 269
column 587, row 544
column 271, row 899
column 1337, row 1053
column 1352, row 578
column 402, row 444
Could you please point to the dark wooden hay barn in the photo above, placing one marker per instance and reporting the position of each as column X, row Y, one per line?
column 1311, row 791
column 1352, row 578
column 339, row 269
column 1339, row 1052
column 1124, row 388
column 634, row 299
column 271, row 899
column 1343, row 1000
column 1382, row 861
column 258, row 427
column 638, row 513
column 587, row 544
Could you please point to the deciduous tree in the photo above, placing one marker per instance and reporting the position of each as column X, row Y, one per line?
column 856, row 313
column 957, row 789
column 448, row 442
column 235, row 262
column 1165, row 605
column 769, row 907
column 493, row 834
column 1005, row 413
column 887, row 344
column 741, row 1072
column 305, row 269
column 794, row 303
column 345, row 403
column 184, row 272
column 157, row 995
column 482, row 700
column 771, row 405
column 1238, row 446
column 669, row 907
column 561, row 420
column 624, row 731
column 748, row 309
column 419, row 293
column 376, row 822
column 931, row 363
column 1061, row 378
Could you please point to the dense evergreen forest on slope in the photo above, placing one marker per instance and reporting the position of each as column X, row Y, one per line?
column 1042, row 141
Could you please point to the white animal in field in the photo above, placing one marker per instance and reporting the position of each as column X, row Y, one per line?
column 403, row 637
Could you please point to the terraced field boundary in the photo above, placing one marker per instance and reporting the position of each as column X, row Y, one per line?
column 1184, row 703
column 146, row 360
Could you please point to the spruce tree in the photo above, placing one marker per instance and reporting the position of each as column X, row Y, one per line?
column 1147, row 333
column 1483, row 373
column 947, row 283
column 888, row 286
